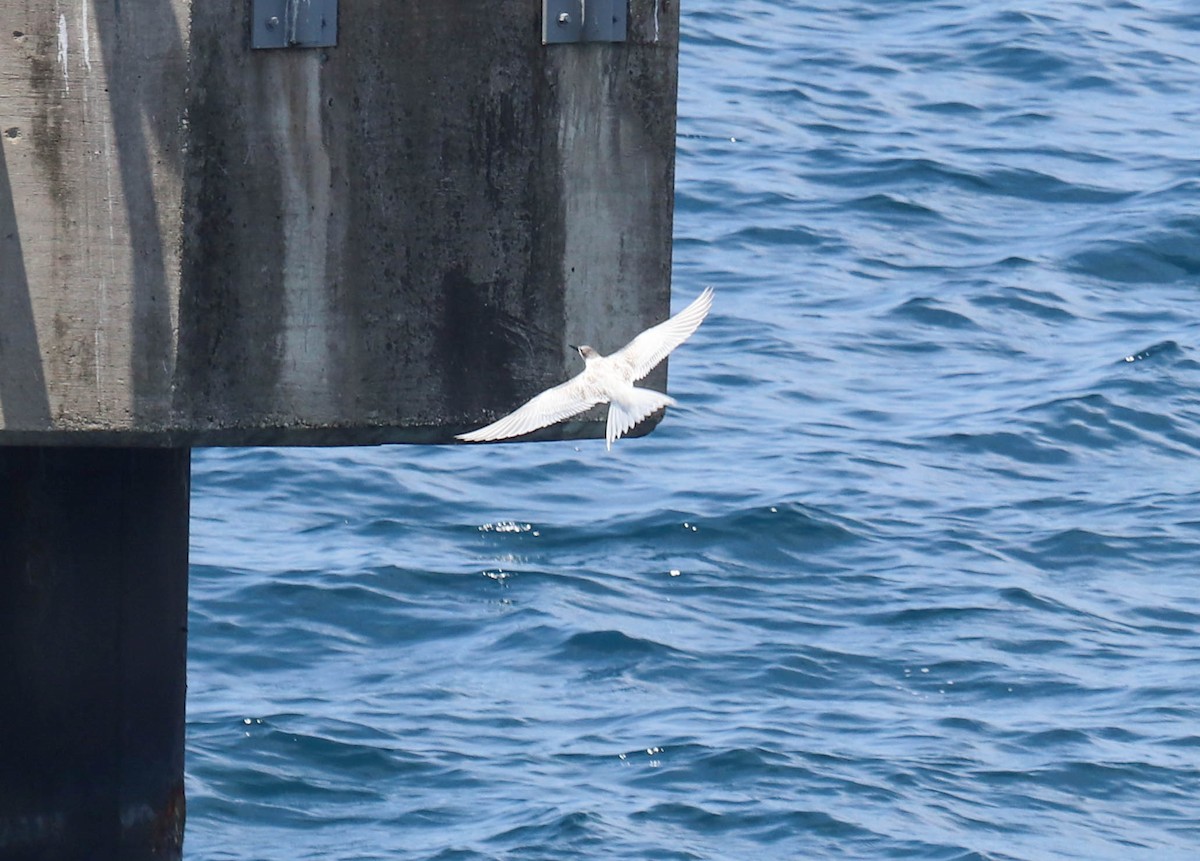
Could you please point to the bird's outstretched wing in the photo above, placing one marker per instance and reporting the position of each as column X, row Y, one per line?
column 553, row 405
column 643, row 353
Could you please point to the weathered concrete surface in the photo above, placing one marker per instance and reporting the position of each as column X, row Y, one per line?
column 389, row 240
column 91, row 123
column 93, row 630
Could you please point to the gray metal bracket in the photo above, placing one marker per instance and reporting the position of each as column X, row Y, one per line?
column 584, row 21
column 293, row 23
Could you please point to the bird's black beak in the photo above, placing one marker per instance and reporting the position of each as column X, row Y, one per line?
column 573, row 347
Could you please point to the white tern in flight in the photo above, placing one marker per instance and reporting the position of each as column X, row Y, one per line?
column 605, row 379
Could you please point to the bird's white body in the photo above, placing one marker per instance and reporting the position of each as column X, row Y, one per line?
column 606, row 379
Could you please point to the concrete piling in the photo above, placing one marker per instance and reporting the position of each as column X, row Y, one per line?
column 93, row 634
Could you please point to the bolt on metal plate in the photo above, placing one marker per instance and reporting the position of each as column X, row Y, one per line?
column 293, row 23
column 584, row 21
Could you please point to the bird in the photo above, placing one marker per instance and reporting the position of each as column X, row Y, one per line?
column 605, row 379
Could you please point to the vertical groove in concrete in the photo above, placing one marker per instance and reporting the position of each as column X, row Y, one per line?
column 305, row 197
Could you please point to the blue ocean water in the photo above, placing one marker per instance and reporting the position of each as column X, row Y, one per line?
column 912, row 572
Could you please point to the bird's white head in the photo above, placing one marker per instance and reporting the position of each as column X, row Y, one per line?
column 587, row 352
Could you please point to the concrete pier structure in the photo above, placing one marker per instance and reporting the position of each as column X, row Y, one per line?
column 388, row 239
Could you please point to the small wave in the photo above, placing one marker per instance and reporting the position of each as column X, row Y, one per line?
column 1044, row 306
column 779, row 532
column 1160, row 351
column 1073, row 548
column 777, row 236
column 917, row 617
column 1013, row 446
column 1159, row 257
column 547, row 838
column 1027, row 184
column 951, row 108
column 1021, row 62
column 610, row 646
column 1055, row 738
column 767, row 826
column 1183, row 20
column 929, row 312
column 1094, row 780
column 897, row 173
column 1020, row 597
column 890, row 206
column 797, row 673
column 1082, row 422
column 1095, row 421
column 1169, row 620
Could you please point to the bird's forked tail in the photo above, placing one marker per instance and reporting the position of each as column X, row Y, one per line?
column 630, row 407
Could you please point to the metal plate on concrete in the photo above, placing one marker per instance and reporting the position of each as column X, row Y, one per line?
column 293, row 24
column 604, row 20
column 566, row 21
